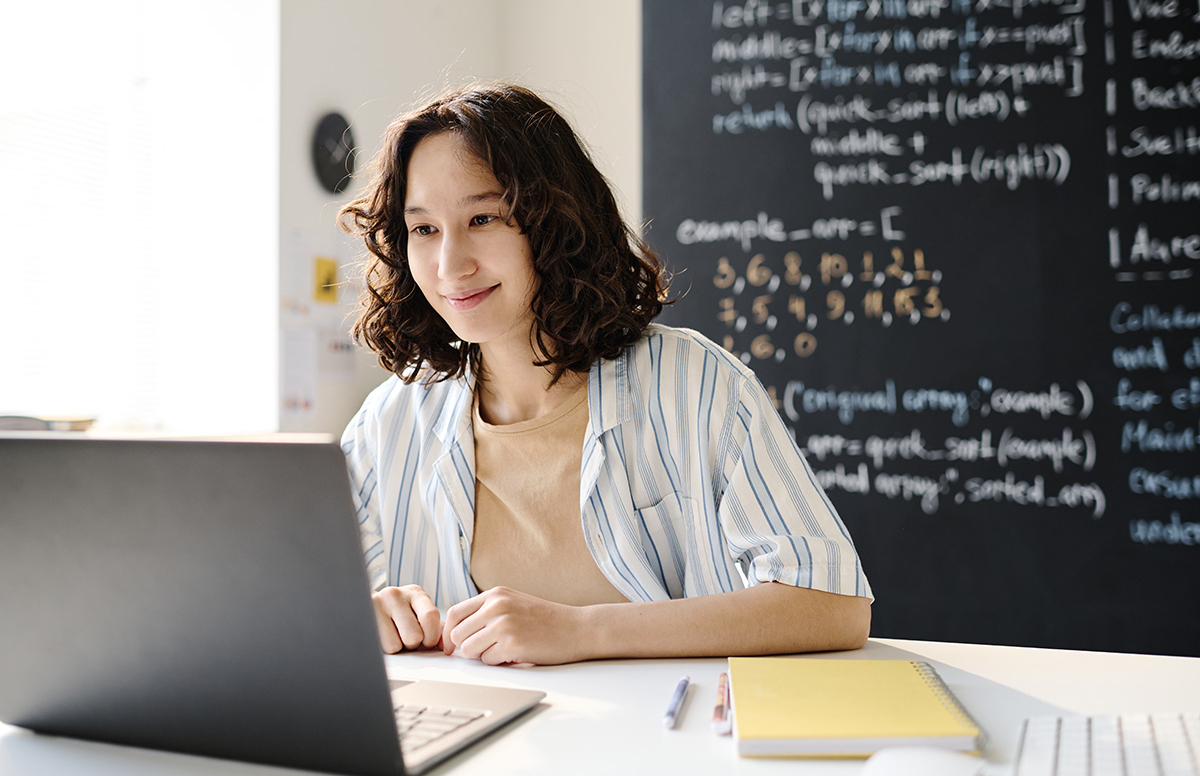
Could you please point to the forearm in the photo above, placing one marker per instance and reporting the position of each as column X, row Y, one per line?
column 770, row 618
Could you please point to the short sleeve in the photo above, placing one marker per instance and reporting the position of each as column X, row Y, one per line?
column 777, row 518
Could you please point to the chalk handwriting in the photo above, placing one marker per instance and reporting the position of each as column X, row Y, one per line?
column 1173, row 531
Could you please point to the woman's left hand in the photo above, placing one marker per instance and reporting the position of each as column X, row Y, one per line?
column 502, row 626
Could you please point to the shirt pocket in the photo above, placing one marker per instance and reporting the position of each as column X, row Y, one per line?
column 667, row 531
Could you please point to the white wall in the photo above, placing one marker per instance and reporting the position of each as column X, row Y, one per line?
column 370, row 60
column 586, row 58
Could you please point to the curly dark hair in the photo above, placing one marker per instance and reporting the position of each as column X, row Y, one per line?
column 599, row 285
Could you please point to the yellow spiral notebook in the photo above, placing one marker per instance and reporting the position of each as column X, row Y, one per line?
column 813, row 707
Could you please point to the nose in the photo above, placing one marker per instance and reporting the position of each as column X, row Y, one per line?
column 457, row 259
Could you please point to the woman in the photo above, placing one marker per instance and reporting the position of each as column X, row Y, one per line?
column 604, row 481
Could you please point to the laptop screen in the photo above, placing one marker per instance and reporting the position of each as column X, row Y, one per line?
column 197, row 596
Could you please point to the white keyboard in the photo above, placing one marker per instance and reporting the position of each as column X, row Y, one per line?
column 422, row 725
column 1110, row 745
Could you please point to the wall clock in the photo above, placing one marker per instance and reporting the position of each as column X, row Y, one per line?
column 333, row 153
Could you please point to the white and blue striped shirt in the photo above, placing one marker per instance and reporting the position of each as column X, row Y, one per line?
column 688, row 472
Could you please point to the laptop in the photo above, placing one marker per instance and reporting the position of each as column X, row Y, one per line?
column 207, row 597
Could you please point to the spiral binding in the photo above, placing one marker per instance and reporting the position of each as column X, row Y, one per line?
column 934, row 680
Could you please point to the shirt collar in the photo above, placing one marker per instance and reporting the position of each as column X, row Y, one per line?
column 609, row 386
column 454, row 419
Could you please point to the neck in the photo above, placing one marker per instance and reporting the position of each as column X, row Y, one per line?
column 515, row 390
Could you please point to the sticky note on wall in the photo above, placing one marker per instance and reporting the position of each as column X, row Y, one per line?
column 326, row 280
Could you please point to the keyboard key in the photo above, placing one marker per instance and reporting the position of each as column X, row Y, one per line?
column 420, row 725
column 1074, row 747
column 1038, row 745
column 1141, row 759
column 1106, row 758
column 1175, row 755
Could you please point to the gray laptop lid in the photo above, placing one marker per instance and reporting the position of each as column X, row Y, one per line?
column 133, row 589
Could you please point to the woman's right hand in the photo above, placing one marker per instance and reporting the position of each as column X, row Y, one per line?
column 407, row 619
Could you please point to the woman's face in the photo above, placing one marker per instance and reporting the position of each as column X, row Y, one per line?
column 473, row 268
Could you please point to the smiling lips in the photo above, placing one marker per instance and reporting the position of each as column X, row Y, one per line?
column 468, row 299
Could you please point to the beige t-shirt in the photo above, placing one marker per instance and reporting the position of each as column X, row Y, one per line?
column 528, row 534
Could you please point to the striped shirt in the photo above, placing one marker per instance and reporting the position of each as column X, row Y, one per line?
column 688, row 477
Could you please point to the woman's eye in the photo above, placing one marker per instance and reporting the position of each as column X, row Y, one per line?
column 422, row 230
column 482, row 220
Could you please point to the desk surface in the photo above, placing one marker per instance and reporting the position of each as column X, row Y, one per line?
column 606, row 717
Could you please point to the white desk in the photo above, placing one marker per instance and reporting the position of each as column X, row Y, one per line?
column 606, row 717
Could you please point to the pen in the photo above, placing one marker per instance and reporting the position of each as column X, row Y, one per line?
column 672, row 716
column 722, row 722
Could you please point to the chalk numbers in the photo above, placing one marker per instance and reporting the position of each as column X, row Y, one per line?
column 775, row 307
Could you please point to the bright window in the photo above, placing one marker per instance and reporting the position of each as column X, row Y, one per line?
column 139, row 204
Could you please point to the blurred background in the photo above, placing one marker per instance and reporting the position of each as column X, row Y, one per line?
column 169, row 258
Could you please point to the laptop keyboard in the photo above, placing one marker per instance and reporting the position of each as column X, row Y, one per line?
column 1110, row 745
column 421, row 725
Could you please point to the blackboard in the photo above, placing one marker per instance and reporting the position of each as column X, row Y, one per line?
column 958, row 241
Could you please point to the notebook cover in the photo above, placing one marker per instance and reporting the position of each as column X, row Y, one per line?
column 851, row 708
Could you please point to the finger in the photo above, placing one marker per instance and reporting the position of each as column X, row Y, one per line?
column 397, row 605
column 429, row 619
column 494, row 656
column 480, row 643
column 455, row 616
column 468, row 637
column 409, row 629
column 389, row 638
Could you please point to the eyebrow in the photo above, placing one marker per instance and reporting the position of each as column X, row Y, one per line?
column 473, row 199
